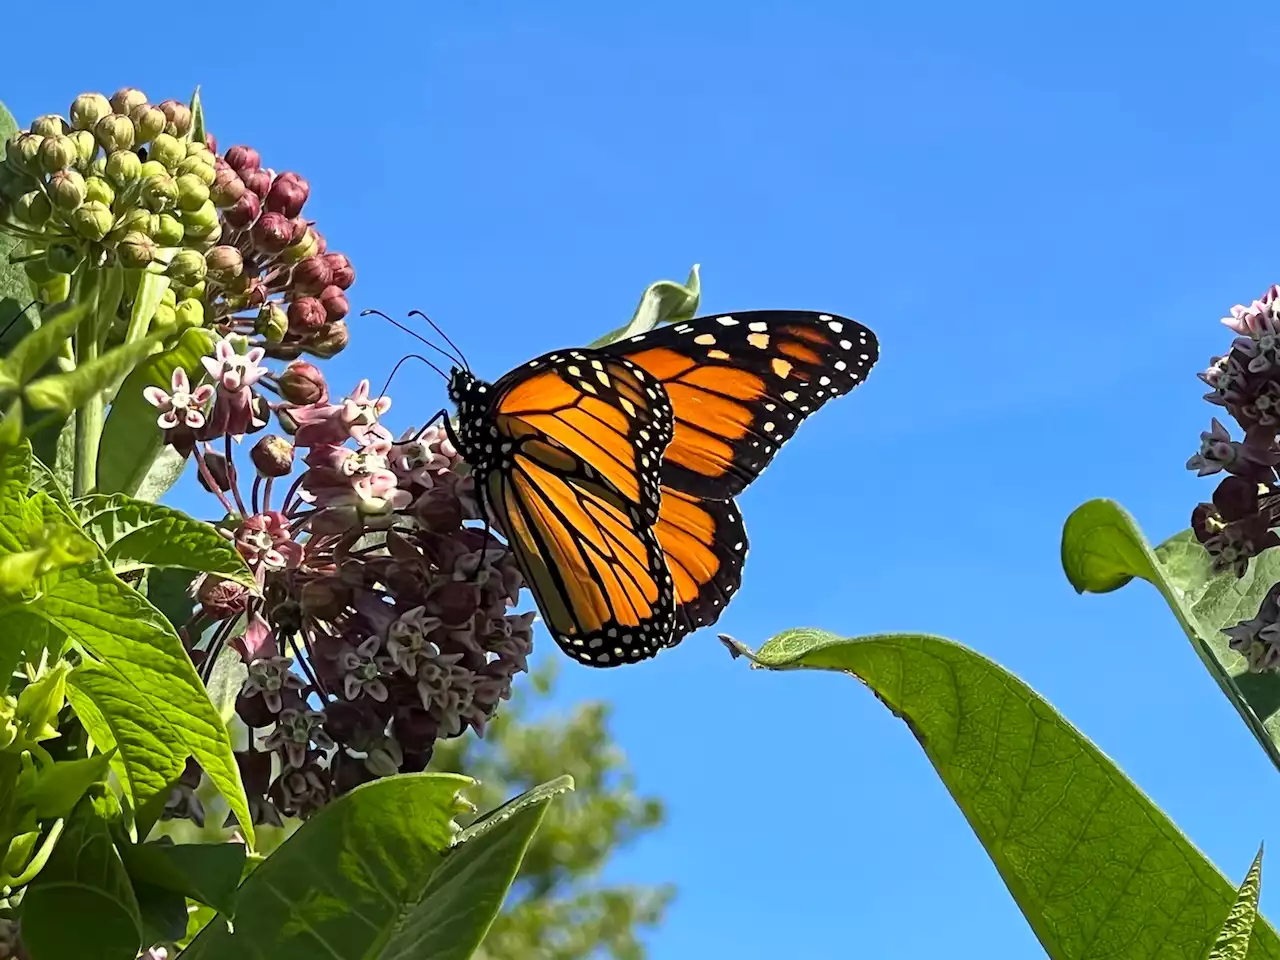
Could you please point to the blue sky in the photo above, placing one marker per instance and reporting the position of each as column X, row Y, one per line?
column 1042, row 212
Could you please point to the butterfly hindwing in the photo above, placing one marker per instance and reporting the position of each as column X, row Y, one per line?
column 705, row 545
column 740, row 384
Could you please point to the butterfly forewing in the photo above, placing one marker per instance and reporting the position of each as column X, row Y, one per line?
column 740, row 384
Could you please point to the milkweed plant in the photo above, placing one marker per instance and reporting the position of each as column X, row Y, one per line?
column 218, row 725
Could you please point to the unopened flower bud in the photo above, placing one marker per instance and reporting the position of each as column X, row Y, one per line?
column 302, row 383
column 287, row 195
column 259, row 181
column 198, row 166
column 168, row 150
column 193, row 193
column 243, row 160
column 87, row 109
column 244, row 211
column 86, row 146
column 50, row 125
column 96, row 188
column 227, row 187
column 159, row 193
column 123, row 168
column 169, row 296
column 33, row 208
column 23, row 154
column 64, row 257
column 195, row 291
column 126, row 98
column 273, row 456
column 189, row 313
column 114, row 132
column 301, row 248
column 272, row 233
column 165, row 318
column 167, row 230
column 306, row 315
column 224, row 263
column 272, row 322
column 216, row 464
column 97, row 167
column 326, row 598
column 344, row 275
column 333, row 342
column 311, row 276
column 187, row 267
column 67, row 190
column 93, row 220
column 136, row 249
column 148, row 121
column 335, row 303
column 177, row 118
column 39, row 271
column 57, row 153
column 153, row 168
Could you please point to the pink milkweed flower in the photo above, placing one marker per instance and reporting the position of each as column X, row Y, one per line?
column 181, row 405
column 235, row 371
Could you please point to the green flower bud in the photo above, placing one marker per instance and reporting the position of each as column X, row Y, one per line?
column 193, row 193
column 306, row 247
column 67, row 190
column 86, row 146
column 166, row 317
column 93, row 220
column 8, row 725
column 57, row 153
column 154, row 168
column 204, row 234
column 50, row 125
column 97, row 167
column 87, row 109
column 23, row 154
column 123, row 168
column 198, row 148
column 134, row 219
column 149, row 121
column 204, row 215
column 190, row 313
column 224, row 263
column 126, row 98
column 167, row 230
column 136, row 249
column 114, row 132
column 199, row 167
column 195, row 292
column 332, row 343
column 33, row 208
column 170, row 296
column 187, row 267
column 39, row 271
column 64, row 257
column 55, row 291
column 40, row 701
column 272, row 323
column 168, row 150
column 159, row 193
column 98, row 189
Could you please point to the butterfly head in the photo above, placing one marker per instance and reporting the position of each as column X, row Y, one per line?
column 460, row 384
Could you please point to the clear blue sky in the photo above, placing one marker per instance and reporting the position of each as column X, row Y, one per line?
column 1042, row 212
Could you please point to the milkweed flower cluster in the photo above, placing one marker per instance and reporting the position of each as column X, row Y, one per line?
column 124, row 182
column 382, row 621
column 1241, row 520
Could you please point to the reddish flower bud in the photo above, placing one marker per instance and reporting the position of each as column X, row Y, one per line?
column 272, row 233
column 211, row 142
column 217, row 465
column 286, row 196
column 331, row 343
column 244, row 211
column 221, row 598
column 273, row 456
column 311, row 276
column 344, row 275
column 259, row 181
column 303, row 383
column 326, row 598
column 335, row 303
column 227, row 187
column 243, row 160
column 178, row 117
column 224, row 263
column 322, row 244
column 256, row 294
column 306, row 315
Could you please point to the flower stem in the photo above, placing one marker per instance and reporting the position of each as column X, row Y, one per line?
column 90, row 415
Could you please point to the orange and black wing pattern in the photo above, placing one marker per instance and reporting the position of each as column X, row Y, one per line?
column 567, row 453
column 740, row 384
column 705, row 545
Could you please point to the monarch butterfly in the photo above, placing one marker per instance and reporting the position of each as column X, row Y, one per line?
column 612, row 471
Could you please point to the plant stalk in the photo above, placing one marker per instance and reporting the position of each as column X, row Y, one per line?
column 91, row 416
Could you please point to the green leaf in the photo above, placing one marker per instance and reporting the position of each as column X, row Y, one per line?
column 42, row 345
column 663, row 302
column 198, row 132
column 13, row 279
column 135, row 534
column 1103, row 549
column 162, row 475
column 131, row 439
column 146, row 300
column 206, row 872
column 143, row 684
column 1096, row 868
column 15, row 478
column 44, row 481
column 375, row 875
column 169, row 591
column 64, row 392
column 1237, row 929
column 55, row 790
column 163, row 913
column 82, row 904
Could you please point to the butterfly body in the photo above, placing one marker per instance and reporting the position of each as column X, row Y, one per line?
column 612, row 471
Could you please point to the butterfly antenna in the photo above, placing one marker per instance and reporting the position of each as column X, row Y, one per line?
column 461, row 356
column 400, row 362
column 417, row 336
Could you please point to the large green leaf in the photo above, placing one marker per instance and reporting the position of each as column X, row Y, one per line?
column 61, row 393
column 205, row 872
column 135, row 534
column 663, row 302
column 131, row 439
column 36, row 349
column 82, row 904
column 1237, row 929
column 1096, row 868
column 377, row 874
column 1103, row 549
